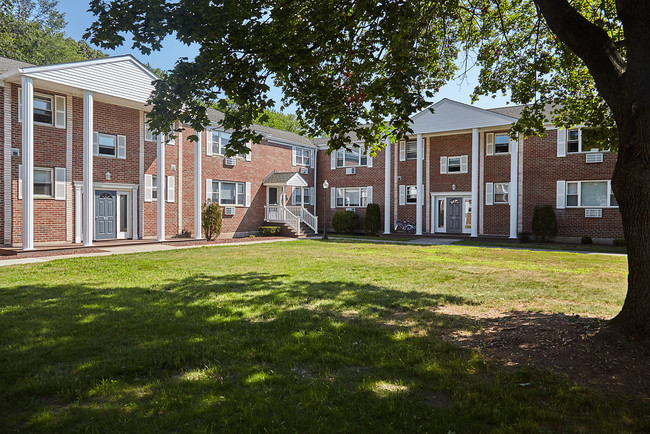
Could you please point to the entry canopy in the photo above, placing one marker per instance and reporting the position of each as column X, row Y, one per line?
column 290, row 179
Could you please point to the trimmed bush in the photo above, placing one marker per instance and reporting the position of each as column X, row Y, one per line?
column 345, row 222
column 544, row 222
column 372, row 223
column 619, row 242
column 586, row 239
column 211, row 215
column 269, row 231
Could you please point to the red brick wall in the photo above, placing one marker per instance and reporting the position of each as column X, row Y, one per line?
column 365, row 176
column 542, row 169
column 496, row 218
column 407, row 170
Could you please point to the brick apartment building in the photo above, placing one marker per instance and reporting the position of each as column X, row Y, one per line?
column 86, row 131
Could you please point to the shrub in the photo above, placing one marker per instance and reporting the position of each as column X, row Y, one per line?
column 372, row 223
column 269, row 231
column 620, row 242
column 586, row 239
column 544, row 222
column 345, row 222
column 211, row 215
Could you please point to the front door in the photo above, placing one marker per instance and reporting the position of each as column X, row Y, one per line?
column 454, row 215
column 105, row 213
column 273, row 196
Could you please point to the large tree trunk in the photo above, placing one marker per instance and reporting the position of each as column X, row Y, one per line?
column 631, row 185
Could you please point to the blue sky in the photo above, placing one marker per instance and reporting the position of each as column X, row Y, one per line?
column 79, row 20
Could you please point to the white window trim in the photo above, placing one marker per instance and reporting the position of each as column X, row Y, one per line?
column 406, row 195
column 361, row 205
column 460, row 165
column 406, row 151
column 295, row 198
column 609, row 194
column 105, row 155
column 580, row 151
column 345, row 150
column 51, row 98
column 495, row 145
column 46, row 196
column 154, row 187
column 242, row 205
column 495, row 202
column 298, row 150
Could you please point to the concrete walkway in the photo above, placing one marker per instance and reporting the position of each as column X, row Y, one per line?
column 126, row 249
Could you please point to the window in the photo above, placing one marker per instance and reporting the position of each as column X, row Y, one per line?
column 43, row 182
column 43, row 109
column 501, row 144
column 590, row 194
column 228, row 193
column 501, row 192
column 581, row 140
column 411, row 150
column 302, row 156
column 220, row 141
column 154, row 188
column 411, row 194
column 107, row 144
column 348, row 158
column 295, row 195
column 453, row 164
column 349, row 197
column 441, row 213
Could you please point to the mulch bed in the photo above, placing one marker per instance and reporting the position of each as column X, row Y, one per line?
column 577, row 347
column 224, row 241
column 53, row 253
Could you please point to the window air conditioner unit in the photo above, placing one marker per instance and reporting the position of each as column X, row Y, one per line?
column 594, row 213
column 351, row 171
column 229, row 210
column 231, row 161
column 350, row 209
column 594, row 158
column 304, row 170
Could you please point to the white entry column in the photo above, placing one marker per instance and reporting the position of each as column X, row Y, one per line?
column 420, row 193
column 475, row 163
column 28, row 163
column 88, row 149
column 387, row 186
column 198, row 230
column 160, row 186
column 512, row 193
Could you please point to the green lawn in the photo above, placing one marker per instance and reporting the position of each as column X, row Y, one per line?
column 596, row 248
column 297, row 336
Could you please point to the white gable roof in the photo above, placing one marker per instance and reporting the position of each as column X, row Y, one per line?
column 451, row 115
column 120, row 77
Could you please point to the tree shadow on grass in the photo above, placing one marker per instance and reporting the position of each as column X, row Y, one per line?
column 257, row 352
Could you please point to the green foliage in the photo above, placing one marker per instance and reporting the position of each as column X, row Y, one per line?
column 544, row 222
column 211, row 218
column 269, row 231
column 281, row 121
column 372, row 222
column 586, row 239
column 33, row 32
column 619, row 242
column 345, row 222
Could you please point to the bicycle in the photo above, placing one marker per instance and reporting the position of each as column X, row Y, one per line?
column 404, row 225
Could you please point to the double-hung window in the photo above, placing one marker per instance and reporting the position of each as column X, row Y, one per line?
column 581, row 140
column 351, row 157
column 590, row 194
column 411, row 194
column 43, row 182
column 501, row 144
column 453, row 165
column 412, row 150
column 154, row 188
column 295, row 195
column 351, row 197
column 220, row 141
column 43, row 110
column 302, row 156
column 107, row 145
column 501, row 192
column 228, row 193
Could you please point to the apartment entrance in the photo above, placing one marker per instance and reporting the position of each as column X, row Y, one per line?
column 451, row 213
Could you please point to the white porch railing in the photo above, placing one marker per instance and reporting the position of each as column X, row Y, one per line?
column 291, row 215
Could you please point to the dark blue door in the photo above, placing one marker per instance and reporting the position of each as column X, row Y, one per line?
column 105, row 228
column 453, row 215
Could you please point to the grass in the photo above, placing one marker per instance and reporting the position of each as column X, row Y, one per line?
column 596, row 248
column 374, row 237
column 300, row 336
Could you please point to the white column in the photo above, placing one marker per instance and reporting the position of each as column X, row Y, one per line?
column 160, row 178
column 88, row 149
column 28, row 163
column 387, row 186
column 420, row 196
column 512, row 193
column 198, row 182
column 302, row 197
column 78, row 215
column 134, row 213
column 475, row 186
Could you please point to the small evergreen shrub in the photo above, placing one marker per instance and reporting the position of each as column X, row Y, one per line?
column 211, row 215
column 269, row 231
column 345, row 222
column 619, row 242
column 544, row 222
column 587, row 240
column 372, row 223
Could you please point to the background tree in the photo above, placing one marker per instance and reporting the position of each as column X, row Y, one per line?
column 368, row 65
column 280, row 120
column 32, row 31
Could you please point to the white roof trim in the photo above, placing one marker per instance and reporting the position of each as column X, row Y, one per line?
column 272, row 139
column 63, row 66
column 468, row 106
